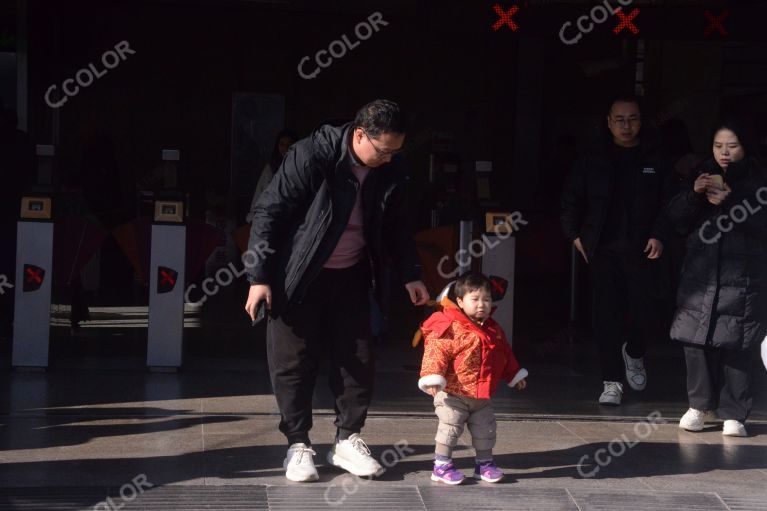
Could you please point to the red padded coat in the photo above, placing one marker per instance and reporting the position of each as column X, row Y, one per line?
column 464, row 358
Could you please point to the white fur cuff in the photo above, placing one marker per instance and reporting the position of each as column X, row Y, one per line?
column 432, row 379
column 521, row 375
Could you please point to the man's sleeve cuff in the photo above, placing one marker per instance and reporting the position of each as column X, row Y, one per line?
column 432, row 379
column 521, row 375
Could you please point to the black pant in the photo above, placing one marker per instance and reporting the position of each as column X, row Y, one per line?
column 621, row 286
column 333, row 318
column 719, row 380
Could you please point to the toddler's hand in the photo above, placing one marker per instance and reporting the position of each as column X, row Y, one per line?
column 432, row 390
column 521, row 384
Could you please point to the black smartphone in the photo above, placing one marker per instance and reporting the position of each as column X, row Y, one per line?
column 260, row 312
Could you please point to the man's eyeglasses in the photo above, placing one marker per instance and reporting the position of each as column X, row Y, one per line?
column 379, row 151
column 621, row 121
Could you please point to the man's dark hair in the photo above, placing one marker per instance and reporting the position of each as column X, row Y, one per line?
column 380, row 116
column 625, row 98
column 469, row 282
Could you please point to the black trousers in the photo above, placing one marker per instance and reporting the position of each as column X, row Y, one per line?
column 719, row 380
column 333, row 318
column 621, row 285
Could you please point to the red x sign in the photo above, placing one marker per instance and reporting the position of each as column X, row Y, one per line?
column 166, row 279
column 626, row 21
column 505, row 17
column 33, row 278
column 715, row 22
column 499, row 287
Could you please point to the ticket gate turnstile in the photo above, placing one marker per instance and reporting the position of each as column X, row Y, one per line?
column 497, row 250
column 499, row 261
column 166, row 287
column 34, row 276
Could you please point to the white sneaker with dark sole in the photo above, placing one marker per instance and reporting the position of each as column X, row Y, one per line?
column 636, row 375
column 693, row 420
column 612, row 393
column 354, row 456
column 299, row 465
column 734, row 428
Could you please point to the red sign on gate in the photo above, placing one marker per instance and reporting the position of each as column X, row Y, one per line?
column 33, row 278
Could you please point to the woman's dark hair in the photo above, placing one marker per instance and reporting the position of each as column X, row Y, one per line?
column 746, row 138
column 742, row 131
column 276, row 159
column 380, row 116
column 469, row 282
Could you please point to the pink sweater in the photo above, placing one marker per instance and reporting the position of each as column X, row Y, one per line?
column 348, row 251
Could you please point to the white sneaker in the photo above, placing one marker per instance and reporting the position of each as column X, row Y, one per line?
column 734, row 428
column 693, row 420
column 612, row 394
column 299, row 465
column 635, row 371
column 354, row 456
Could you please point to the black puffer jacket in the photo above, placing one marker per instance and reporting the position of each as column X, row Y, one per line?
column 305, row 209
column 722, row 296
column 589, row 188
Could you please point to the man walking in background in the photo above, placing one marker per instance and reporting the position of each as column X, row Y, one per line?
column 612, row 212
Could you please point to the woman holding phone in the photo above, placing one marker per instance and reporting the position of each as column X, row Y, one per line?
column 721, row 315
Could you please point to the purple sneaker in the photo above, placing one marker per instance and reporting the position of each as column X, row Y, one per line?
column 487, row 471
column 446, row 474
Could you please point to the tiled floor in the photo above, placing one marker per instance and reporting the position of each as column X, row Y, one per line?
column 214, row 432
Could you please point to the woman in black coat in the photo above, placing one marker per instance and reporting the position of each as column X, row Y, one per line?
column 721, row 315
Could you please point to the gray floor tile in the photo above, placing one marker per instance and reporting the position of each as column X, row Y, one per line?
column 646, row 501
column 352, row 494
column 495, row 498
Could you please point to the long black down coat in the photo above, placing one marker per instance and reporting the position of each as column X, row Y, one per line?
column 722, row 296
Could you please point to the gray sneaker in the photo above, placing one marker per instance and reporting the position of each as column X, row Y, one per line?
column 612, row 393
column 635, row 371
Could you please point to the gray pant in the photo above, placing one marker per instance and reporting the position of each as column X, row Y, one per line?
column 454, row 412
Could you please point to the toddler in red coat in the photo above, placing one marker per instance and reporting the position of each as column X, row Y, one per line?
column 466, row 355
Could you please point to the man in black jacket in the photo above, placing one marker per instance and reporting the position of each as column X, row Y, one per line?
column 327, row 223
column 612, row 212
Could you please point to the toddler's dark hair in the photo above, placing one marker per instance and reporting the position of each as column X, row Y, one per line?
column 469, row 282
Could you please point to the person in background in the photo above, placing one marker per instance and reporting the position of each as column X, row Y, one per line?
column 721, row 316
column 282, row 143
column 612, row 213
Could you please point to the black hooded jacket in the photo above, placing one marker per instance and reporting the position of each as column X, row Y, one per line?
column 301, row 215
column 722, row 295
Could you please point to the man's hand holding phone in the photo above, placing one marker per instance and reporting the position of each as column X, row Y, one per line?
column 259, row 299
